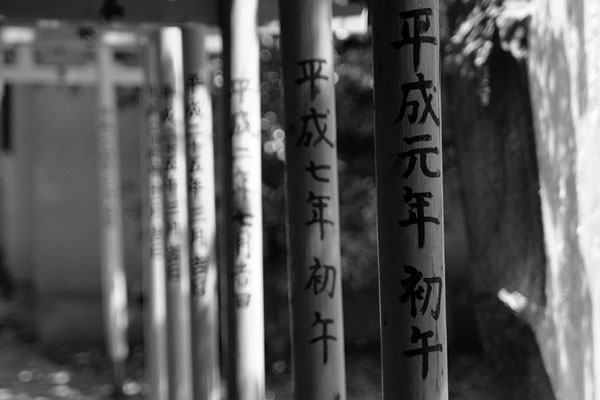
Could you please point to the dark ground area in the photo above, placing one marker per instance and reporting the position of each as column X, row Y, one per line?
column 29, row 372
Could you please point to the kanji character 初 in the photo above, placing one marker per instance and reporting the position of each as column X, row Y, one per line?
column 414, row 291
column 322, row 278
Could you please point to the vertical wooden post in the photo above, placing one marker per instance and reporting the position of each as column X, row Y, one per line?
column 410, row 207
column 201, row 195
column 246, row 270
column 154, row 231
column 224, row 173
column 313, row 200
column 176, row 214
column 223, row 161
column 114, row 285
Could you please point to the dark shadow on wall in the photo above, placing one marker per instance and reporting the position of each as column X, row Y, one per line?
column 495, row 152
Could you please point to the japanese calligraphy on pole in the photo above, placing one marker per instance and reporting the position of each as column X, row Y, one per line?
column 176, row 213
column 155, row 330
column 409, row 188
column 246, row 148
column 201, row 204
column 312, row 198
column 114, row 285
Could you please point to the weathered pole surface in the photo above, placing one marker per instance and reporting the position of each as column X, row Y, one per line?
column 312, row 200
column 176, row 214
column 246, row 269
column 114, row 284
column 408, row 150
column 201, row 198
column 154, row 257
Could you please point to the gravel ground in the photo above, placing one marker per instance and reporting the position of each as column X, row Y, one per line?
column 29, row 373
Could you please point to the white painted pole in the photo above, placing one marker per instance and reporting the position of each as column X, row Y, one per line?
column 312, row 200
column 114, row 286
column 176, row 214
column 201, row 195
column 408, row 149
column 247, row 268
column 154, row 257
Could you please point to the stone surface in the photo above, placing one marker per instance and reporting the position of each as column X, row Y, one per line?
column 493, row 136
column 564, row 69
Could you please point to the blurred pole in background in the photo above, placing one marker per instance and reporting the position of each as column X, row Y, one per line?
column 114, row 285
column 246, row 331
column 201, row 198
column 153, row 222
column 176, row 214
column 312, row 200
column 224, row 159
column 5, row 145
column 408, row 150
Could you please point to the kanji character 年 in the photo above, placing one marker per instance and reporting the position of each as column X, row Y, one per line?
column 418, row 217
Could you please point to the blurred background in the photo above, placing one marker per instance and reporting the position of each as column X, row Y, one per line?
column 51, row 342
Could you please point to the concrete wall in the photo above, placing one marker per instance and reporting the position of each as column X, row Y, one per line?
column 52, row 202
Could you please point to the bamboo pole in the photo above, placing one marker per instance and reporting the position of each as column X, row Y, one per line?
column 408, row 151
column 114, row 286
column 154, row 232
column 312, row 200
column 201, row 194
column 246, row 271
column 176, row 214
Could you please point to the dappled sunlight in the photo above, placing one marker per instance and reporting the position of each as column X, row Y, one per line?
column 513, row 300
column 521, row 155
column 117, row 314
column 566, row 331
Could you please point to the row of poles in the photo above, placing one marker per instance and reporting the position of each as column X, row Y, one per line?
column 181, row 267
